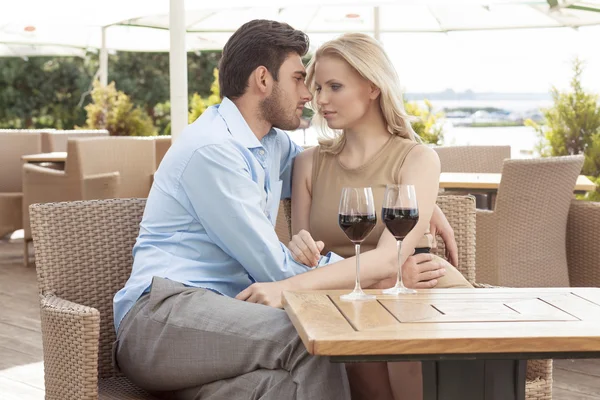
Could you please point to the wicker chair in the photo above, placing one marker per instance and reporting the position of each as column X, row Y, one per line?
column 83, row 252
column 90, row 241
column 480, row 159
column 523, row 242
column 583, row 252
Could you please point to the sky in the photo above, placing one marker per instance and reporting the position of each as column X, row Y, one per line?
column 508, row 61
column 499, row 61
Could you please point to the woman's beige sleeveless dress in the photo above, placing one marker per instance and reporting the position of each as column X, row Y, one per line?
column 329, row 176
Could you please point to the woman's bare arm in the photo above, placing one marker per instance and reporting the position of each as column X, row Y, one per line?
column 421, row 169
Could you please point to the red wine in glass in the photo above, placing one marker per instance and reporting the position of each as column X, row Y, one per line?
column 357, row 227
column 357, row 219
column 400, row 214
column 400, row 221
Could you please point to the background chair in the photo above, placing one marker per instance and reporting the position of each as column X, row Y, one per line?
column 56, row 140
column 473, row 159
column 163, row 143
column 523, row 242
column 13, row 145
column 478, row 159
column 583, row 249
column 96, row 168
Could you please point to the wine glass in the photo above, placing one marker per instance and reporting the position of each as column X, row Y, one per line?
column 357, row 219
column 400, row 214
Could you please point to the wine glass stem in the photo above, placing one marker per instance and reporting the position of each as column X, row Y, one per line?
column 357, row 284
column 399, row 282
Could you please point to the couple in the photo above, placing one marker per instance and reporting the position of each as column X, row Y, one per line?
column 200, row 317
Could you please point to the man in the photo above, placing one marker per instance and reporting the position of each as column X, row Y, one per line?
column 207, row 234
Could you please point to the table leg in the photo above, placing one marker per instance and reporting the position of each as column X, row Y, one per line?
column 474, row 380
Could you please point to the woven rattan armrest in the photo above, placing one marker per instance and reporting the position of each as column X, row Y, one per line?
column 70, row 334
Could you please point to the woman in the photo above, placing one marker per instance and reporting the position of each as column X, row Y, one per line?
column 368, row 142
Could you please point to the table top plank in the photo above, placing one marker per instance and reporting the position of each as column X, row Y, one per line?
column 450, row 321
column 365, row 315
column 576, row 305
column 315, row 317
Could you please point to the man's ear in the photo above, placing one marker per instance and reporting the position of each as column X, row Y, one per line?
column 374, row 92
column 262, row 79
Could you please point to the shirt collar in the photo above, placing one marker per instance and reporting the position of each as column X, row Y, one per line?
column 237, row 125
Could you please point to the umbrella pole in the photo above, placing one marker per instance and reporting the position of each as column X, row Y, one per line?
column 178, row 68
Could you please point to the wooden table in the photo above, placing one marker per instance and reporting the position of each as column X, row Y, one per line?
column 56, row 157
column 467, row 338
column 489, row 183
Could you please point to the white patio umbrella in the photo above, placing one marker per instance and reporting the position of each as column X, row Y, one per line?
column 198, row 24
column 27, row 50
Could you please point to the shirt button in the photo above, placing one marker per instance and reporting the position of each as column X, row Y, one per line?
column 261, row 152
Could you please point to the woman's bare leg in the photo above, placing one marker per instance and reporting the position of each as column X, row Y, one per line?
column 406, row 380
column 369, row 381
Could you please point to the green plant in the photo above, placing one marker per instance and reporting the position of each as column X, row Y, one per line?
column 427, row 125
column 198, row 104
column 572, row 126
column 114, row 111
column 162, row 117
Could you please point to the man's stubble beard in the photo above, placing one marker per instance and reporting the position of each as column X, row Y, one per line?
column 272, row 111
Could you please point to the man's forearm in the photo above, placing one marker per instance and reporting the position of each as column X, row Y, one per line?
column 376, row 265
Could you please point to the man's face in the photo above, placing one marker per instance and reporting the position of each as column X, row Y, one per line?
column 283, row 107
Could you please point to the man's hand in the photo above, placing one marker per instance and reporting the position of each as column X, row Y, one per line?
column 305, row 250
column 439, row 225
column 422, row 271
column 267, row 293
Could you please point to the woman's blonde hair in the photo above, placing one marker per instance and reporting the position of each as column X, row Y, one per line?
column 368, row 58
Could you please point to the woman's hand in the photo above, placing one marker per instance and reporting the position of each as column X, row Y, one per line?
column 305, row 249
column 439, row 225
column 267, row 293
column 422, row 271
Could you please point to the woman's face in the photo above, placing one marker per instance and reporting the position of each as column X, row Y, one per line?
column 343, row 96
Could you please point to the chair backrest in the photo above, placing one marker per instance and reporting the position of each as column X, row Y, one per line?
column 461, row 214
column 163, row 144
column 532, row 207
column 13, row 145
column 132, row 157
column 459, row 210
column 57, row 140
column 481, row 159
column 83, row 254
column 283, row 225
column 583, row 251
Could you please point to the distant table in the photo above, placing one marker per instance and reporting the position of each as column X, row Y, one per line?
column 489, row 183
column 473, row 342
column 56, row 157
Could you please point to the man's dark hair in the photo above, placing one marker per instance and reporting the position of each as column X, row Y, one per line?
column 258, row 42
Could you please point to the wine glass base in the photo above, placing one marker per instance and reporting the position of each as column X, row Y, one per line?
column 358, row 296
column 399, row 290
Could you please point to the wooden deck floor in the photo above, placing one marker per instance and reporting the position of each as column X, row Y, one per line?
column 21, row 369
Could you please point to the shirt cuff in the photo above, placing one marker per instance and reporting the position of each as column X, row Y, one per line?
column 329, row 258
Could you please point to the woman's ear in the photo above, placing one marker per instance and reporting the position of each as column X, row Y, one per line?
column 374, row 92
